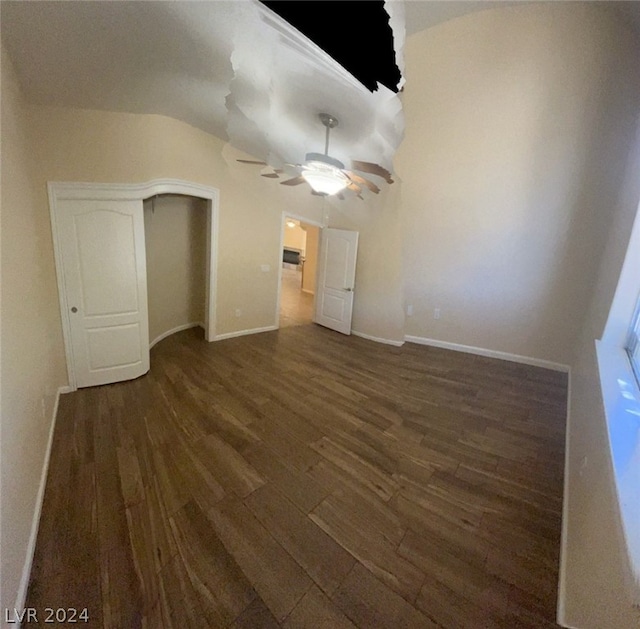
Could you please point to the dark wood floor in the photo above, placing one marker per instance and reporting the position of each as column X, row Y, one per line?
column 301, row 478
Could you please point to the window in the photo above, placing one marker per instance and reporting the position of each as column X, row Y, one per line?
column 633, row 343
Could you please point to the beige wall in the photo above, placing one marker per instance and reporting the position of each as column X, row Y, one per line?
column 32, row 354
column 311, row 259
column 176, row 245
column 516, row 122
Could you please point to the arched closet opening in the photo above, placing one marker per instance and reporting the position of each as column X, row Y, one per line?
column 175, row 227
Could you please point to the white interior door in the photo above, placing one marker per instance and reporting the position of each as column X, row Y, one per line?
column 102, row 250
column 336, row 279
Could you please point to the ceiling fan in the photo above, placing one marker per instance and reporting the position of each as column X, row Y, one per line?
column 327, row 175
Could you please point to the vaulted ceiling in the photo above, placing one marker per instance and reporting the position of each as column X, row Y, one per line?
column 233, row 68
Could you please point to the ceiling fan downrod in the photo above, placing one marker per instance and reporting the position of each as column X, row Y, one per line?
column 329, row 122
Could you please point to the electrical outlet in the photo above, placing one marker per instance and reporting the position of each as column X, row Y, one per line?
column 238, row 312
column 436, row 313
column 410, row 310
column 265, row 268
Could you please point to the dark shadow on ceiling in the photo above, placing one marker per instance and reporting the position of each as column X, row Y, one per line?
column 355, row 33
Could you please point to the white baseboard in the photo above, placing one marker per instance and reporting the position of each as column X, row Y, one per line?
column 490, row 353
column 179, row 328
column 35, row 522
column 231, row 335
column 562, row 572
column 377, row 339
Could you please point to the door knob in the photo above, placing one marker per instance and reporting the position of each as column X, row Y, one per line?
column 74, row 309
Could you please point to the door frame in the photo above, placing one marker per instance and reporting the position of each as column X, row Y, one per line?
column 62, row 191
column 303, row 219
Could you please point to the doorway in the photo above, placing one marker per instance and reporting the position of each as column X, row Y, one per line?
column 176, row 252
column 298, row 271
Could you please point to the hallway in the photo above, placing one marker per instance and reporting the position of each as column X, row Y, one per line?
column 296, row 307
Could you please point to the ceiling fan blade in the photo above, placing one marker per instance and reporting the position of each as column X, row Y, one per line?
column 362, row 181
column 295, row 181
column 251, row 161
column 354, row 187
column 374, row 169
column 274, row 174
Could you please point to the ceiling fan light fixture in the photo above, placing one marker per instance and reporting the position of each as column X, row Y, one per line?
column 324, row 174
column 324, row 178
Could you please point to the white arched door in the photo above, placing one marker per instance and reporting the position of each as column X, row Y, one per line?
column 102, row 252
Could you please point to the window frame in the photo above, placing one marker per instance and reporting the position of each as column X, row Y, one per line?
column 632, row 346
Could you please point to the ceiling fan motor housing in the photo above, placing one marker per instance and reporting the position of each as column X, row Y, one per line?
column 326, row 159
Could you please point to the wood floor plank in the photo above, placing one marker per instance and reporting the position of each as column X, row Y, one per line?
column 370, row 547
column 228, row 465
column 122, row 595
column 455, row 610
column 179, row 604
column 369, row 603
column 255, row 616
column 221, row 586
column 172, row 482
column 355, row 466
column 277, row 578
column 287, row 446
column 369, row 512
column 418, row 504
column 461, row 573
column 325, row 561
column 317, row 611
column 152, row 542
column 298, row 486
